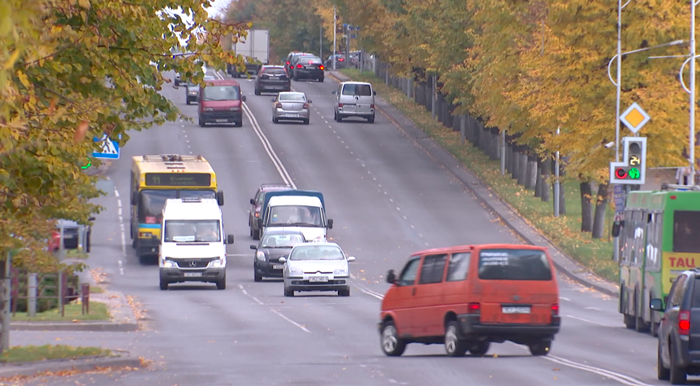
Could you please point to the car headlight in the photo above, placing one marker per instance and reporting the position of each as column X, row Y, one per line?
column 193, row 92
column 208, row 109
column 340, row 272
column 218, row 263
column 167, row 263
column 295, row 271
column 260, row 255
column 235, row 109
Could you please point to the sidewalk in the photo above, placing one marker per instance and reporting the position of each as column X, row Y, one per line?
column 505, row 212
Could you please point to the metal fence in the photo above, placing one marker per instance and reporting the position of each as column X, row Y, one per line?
column 39, row 292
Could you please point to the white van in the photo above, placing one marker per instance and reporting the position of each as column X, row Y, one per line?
column 192, row 245
column 354, row 99
column 302, row 213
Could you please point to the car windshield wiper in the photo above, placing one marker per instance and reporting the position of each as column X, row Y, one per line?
column 303, row 223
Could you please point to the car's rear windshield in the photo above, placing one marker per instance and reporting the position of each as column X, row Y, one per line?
column 514, row 264
column 276, row 70
column 310, row 60
column 357, row 89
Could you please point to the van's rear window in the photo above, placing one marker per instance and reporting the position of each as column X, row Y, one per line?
column 514, row 264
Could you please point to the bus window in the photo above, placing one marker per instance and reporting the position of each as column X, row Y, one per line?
column 151, row 205
column 686, row 231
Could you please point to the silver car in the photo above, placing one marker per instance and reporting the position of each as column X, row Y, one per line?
column 290, row 106
column 316, row 267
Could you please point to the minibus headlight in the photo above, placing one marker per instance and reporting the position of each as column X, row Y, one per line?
column 167, row 263
column 218, row 263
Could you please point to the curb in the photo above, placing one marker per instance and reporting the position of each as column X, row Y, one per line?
column 36, row 368
column 70, row 326
column 504, row 217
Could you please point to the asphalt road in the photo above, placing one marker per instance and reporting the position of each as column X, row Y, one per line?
column 388, row 198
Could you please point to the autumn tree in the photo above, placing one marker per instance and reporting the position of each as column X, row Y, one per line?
column 72, row 70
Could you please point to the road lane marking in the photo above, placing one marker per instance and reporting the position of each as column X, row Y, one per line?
column 590, row 321
column 563, row 298
column 291, row 321
column 275, row 311
column 624, row 379
column 265, row 142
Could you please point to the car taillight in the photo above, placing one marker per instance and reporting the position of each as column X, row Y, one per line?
column 321, row 67
column 288, row 63
column 340, row 105
column 306, row 105
column 341, row 59
column 684, row 322
column 555, row 309
column 278, row 105
column 473, row 308
column 371, row 106
column 299, row 66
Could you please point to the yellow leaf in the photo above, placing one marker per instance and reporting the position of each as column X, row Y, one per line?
column 11, row 61
column 84, row 3
column 23, row 78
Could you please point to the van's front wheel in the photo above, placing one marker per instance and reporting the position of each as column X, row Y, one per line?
column 392, row 345
column 479, row 349
column 454, row 345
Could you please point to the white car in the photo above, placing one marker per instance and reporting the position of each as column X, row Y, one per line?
column 319, row 266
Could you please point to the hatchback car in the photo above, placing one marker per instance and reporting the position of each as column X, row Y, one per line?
column 678, row 352
column 307, row 67
column 191, row 92
column 70, row 234
column 290, row 57
column 256, row 210
column 272, row 78
column 273, row 245
column 354, row 99
column 316, row 267
column 339, row 62
column 290, row 106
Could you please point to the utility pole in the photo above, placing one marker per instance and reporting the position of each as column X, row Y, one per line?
column 691, row 145
column 335, row 29
column 320, row 41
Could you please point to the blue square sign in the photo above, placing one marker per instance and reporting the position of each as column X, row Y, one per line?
column 110, row 148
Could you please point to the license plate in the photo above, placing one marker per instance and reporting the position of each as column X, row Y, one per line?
column 309, row 67
column 315, row 279
column 515, row 310
column 222, row 120
column 193, row 274
column 293, row 115
column 277, row 266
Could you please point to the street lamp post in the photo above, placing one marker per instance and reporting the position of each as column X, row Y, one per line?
column 335, row 28
column 691, row 146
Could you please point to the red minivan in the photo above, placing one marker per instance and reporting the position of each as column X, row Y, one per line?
column 466, row 297
column 221, row 101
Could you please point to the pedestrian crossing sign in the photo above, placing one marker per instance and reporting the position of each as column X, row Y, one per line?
column 110, row 148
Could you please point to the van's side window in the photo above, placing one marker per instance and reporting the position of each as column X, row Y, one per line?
column 459, row 266
column 408, row 275
column 433, row 269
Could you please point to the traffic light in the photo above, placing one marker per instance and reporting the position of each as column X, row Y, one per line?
column 632, row 171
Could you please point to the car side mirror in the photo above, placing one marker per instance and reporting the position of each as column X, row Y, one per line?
column 282, row 259
column 333, row 92
column 220, row 198
column 253, row 247
column 391, row 277
column 656, row 304
column 329, row 223
column 374, row 93
column 229, row 239
column 252, row 201
column 616, row 229
column 243, row 98
column 91, row 219
column 351, row 259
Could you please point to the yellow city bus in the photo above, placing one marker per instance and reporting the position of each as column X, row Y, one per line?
column 154, row 179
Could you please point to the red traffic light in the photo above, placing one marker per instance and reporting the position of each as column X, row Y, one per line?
column 620, row 173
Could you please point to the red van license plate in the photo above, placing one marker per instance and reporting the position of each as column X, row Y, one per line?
column 515, row 310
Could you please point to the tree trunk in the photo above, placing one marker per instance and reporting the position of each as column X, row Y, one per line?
column 586, row 209
column 531, row 179
column 516, row 162
column 546, row 178
column 522, row 169
column 538, row 180
column 600, row 208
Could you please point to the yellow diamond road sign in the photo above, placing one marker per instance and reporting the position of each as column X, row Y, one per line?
column 634, row 118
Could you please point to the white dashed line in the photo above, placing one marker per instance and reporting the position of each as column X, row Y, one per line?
column 121, row 269
column 405, row 218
